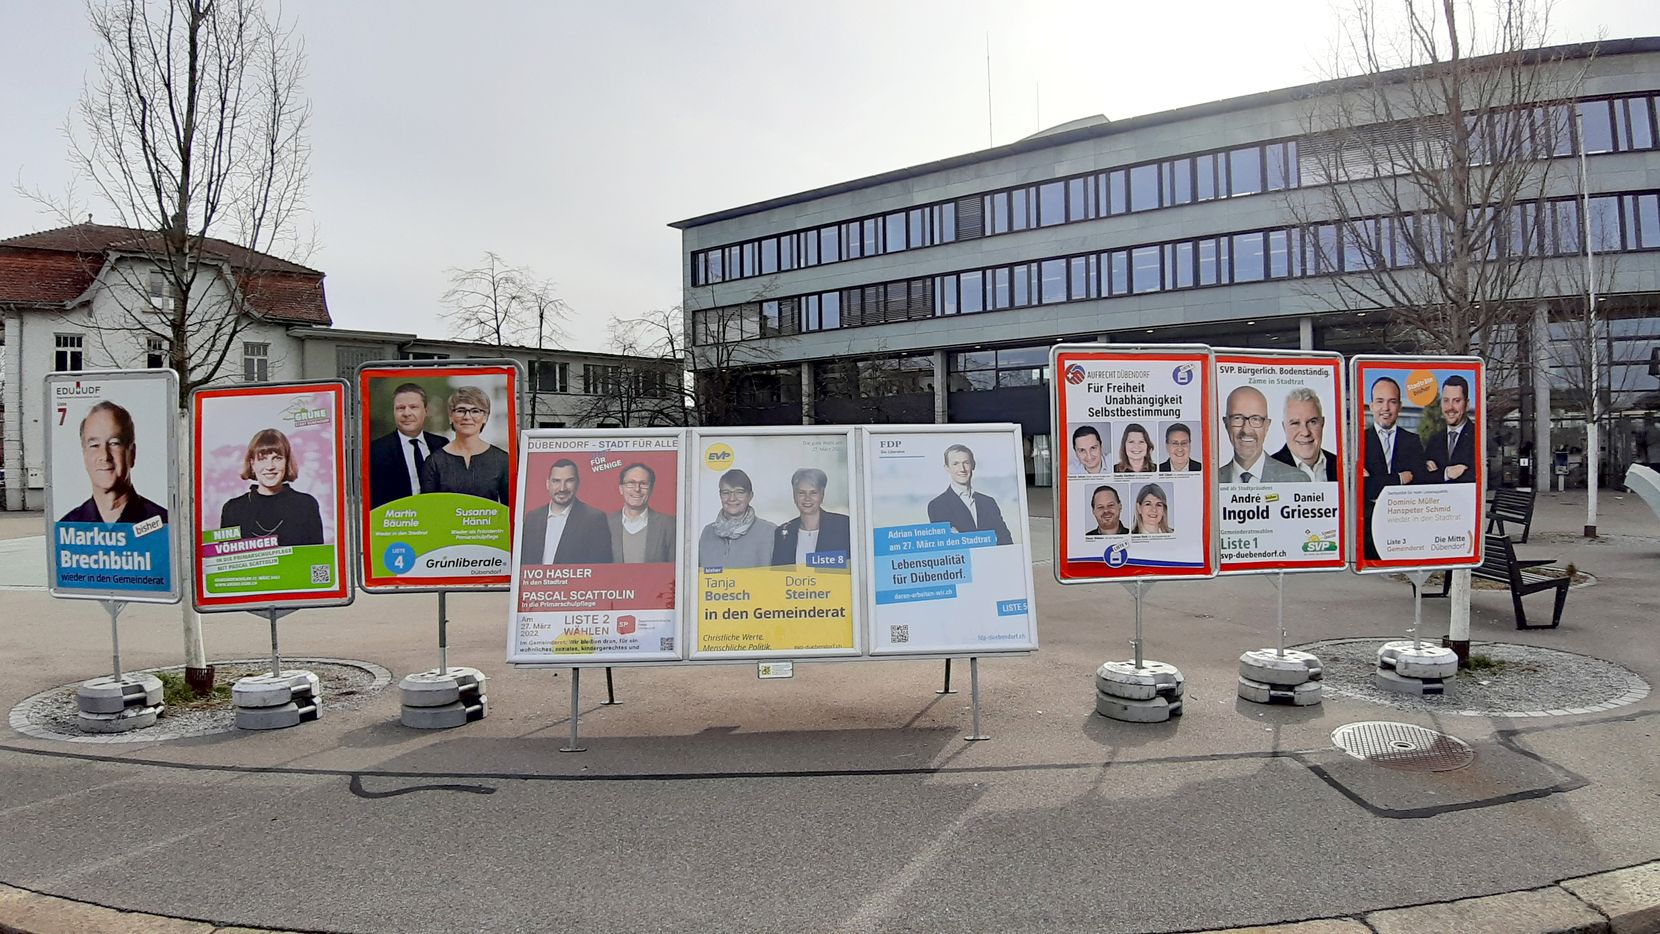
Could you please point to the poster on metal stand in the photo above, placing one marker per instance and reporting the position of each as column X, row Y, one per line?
column 597, row 557
column 1138, row 500
column 949, row 548
column 773, row 514
column 1420, row 467
column 269, row 526
column 437, row 463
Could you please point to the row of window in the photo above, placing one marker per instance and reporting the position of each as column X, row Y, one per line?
column 1618, row 223
column 1620, row 124
column 69, row 355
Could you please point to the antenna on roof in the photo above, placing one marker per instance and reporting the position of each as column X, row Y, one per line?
column 89, row 217
column 989, row 141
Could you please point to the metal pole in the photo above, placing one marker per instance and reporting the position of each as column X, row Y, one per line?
column 1418, row 578
column 114, row 608
column 576, row 693
column 610, row 693
column 443, row 634
column 1593, row 427
column 1136, row 642
column 1279, row 585
column 947, row 688
column 276, row 663
column 974, row 693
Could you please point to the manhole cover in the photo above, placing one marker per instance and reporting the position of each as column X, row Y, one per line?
column 1402, row 746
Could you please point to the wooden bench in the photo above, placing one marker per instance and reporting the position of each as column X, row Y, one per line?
column 1513, row 506
column 1499, row 563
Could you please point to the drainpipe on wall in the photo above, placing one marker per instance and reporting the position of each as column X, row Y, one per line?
column 11, row 442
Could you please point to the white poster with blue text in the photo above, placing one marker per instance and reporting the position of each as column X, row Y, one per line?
column 950, row 551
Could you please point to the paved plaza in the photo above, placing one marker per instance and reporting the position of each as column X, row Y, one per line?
column 845, row 798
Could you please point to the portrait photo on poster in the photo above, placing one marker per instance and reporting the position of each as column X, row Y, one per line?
column 1280, row 477
column 1420, row 460
column 436, row 463
column 1091, row 443
column 270, row 486
column 597, row 556
column 773, row 514
column 111, row 485
column 949, row 554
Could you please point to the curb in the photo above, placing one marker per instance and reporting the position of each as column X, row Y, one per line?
column 1621, row 901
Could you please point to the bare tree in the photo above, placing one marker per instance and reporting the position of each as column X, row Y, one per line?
column 1426, row 181
column 1425, row 178
column 499, row 304
column 192, row 131
column 722, row 346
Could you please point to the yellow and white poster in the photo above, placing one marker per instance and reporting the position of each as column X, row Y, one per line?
column 773, row 549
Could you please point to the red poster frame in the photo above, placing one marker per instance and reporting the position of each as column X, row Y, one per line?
column 1081, row 572
column 1344, row 546
column 338, row 596
column 1475, row 369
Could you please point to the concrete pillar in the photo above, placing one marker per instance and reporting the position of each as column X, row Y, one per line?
column 1541, row 397
column 941, row 416
column 1305, row 333
column 11, row 440
column 806, row 393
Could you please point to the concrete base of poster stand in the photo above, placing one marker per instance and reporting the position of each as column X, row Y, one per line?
column 1306, row 694
column 1149, row 693
column 1420, row 661
column 117, row 705
column 1267, row 676
column 274, row 702
column 1401, row 684
column 436, row 700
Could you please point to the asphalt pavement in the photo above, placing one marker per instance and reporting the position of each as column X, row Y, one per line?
column 844, row 798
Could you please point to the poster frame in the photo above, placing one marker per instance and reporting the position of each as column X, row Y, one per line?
column 1009, row 430
column 525, row 435
column 1345, row 478
column 345, row 537
column 1057, row 426
column 1357, row 427
column 360, row 471
column 857, row 523
column 176, row 553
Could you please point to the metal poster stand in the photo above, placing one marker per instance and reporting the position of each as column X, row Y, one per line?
column 1418, row 578
column 947, row 688
column 1138, row 588
column 610, row 694
column 273, row 614
column 114, row 608
column 575, row 745
column 974, row 693
column 1278, row 582
column 443, row 633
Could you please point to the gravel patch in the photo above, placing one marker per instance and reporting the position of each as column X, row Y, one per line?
column 52, row 714
column 1528, row 681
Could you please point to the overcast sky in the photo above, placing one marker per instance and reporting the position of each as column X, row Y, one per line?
column 565, row 136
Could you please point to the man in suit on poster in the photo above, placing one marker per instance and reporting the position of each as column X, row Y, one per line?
column 960, row 505
column 396, row 458
column 568, row 531
column 1178, row 442
column 639, row 533
column 1305, row 425
column 1247, row 424
column 1394, row 456
column 1450, row 455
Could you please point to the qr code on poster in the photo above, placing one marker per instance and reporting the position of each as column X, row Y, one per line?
column 321, row 574
column 900, row 632
column 665, row 644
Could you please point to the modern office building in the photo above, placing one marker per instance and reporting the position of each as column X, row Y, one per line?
column 933, row 293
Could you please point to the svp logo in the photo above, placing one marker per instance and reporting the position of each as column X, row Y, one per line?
column 1075, row 373
column 1183, row 374
column 1117, row 556
column 719, row 456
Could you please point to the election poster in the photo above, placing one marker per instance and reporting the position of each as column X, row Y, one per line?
column 270, row 505
column 111, row 494
column 1282, row 461
column 597, row 557
column 1419, row 461
column 775, row 575
column 437, row 463
column 948, row 549
column 1139, row 497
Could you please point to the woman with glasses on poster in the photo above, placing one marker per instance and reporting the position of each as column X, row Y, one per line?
column 272, row 507
column 468, row 465
column 738, row 538
column 1135, row 451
